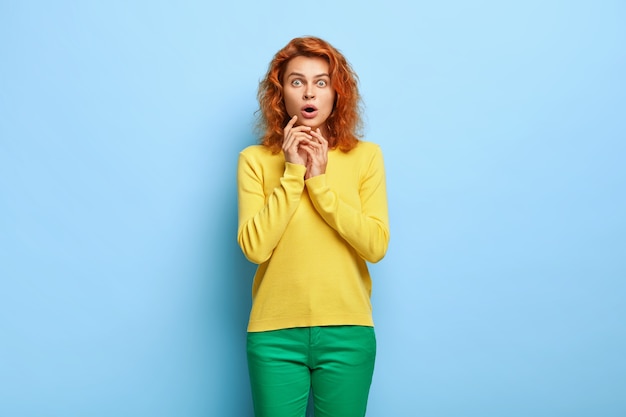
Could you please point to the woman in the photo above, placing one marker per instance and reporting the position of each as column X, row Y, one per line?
column 312, row 211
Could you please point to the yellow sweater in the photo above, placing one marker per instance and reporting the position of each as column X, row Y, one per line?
column 312, row 238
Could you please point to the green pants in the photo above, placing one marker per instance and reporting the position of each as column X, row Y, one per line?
column 336, row 362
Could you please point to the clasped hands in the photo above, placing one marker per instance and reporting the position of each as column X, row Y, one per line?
column 304, row 146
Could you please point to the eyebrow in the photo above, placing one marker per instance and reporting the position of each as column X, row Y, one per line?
column 297, row 74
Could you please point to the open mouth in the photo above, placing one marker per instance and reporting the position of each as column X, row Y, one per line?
column 309, row 111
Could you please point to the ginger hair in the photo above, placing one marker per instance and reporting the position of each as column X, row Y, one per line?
column 344, row 123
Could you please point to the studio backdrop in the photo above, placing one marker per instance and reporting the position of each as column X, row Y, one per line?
column 123, row 291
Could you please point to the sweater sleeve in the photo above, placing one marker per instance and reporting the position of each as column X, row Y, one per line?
column 262, row 221
column 365, row 229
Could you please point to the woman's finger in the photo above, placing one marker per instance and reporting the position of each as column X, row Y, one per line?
column 318, row 135
column 291, row 123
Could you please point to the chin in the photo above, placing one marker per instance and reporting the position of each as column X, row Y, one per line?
column 309, row 123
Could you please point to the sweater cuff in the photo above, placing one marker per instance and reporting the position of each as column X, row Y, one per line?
column 294, row 170
column 317, row 183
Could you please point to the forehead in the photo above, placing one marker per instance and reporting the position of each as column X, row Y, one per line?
column 307, row 66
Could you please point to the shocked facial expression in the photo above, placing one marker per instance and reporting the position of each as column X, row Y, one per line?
column 307, row 91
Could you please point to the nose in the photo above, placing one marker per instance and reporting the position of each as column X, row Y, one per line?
column 309, row 94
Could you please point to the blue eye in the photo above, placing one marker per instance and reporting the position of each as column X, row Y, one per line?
column 296, row 83
column 321, row 83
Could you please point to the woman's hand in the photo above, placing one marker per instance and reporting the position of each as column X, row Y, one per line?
column 293, row 139
column 317, row 151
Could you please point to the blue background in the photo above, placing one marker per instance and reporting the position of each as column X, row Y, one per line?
column 123, row 291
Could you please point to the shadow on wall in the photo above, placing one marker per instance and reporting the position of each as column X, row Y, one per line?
column 227, row 294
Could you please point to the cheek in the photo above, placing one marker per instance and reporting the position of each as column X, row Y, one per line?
column 331, row 102
column 288, row 101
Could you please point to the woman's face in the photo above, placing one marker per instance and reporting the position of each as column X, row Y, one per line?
column 307, row 91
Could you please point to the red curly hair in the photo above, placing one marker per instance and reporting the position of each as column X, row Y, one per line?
column 344, row 123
